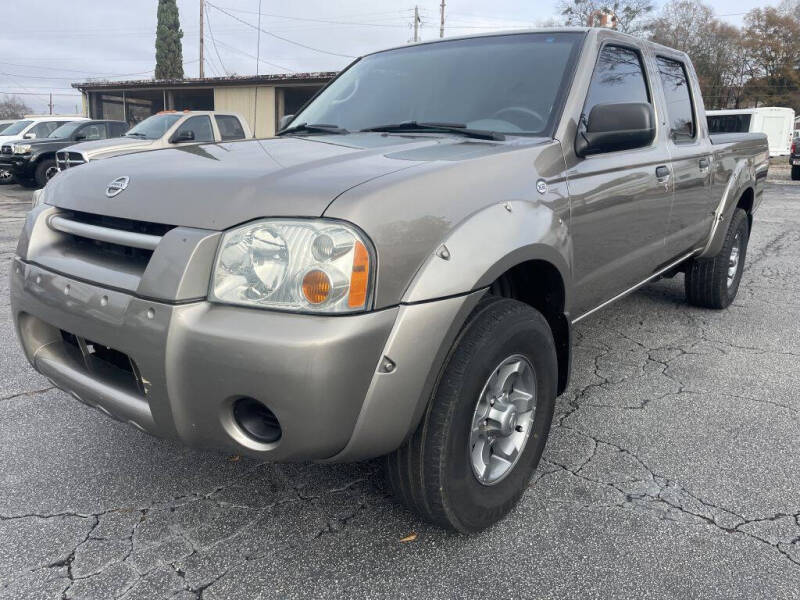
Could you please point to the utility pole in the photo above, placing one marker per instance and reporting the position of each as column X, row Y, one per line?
column 51, row 103
column 258, row 44
column 202, row 40
column 416, row 23
column 441, row 23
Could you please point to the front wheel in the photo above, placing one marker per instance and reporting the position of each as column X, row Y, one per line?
column 795, row 173
column 45, row 171
column 485, row 429
column 6, row 177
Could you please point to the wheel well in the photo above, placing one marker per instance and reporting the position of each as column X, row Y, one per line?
column 746, row 203
column 539, row 284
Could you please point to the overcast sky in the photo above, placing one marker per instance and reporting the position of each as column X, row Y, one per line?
column 45, row 45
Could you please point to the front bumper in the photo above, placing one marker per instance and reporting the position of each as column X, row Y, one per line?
column 21, row 166
column 321, row 376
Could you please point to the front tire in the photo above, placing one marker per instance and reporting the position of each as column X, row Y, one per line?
column 713, row 282
column 45, row 171
column 485, row 429
column 795, row 173
column 6, row 177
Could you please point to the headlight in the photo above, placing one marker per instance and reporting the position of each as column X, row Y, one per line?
column 37, row 198
column 294, row 265
column 21, row 148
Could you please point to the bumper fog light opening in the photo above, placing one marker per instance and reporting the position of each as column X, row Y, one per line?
column 257, row 421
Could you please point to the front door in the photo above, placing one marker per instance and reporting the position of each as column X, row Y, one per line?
column 690, row 154
column 620, row 201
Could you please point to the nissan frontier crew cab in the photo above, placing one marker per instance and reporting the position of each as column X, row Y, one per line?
column 398, row 271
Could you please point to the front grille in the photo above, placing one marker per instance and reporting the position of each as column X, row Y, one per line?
column 145, row 227
column 130, row 241
column 65, row 160
column 5, row 149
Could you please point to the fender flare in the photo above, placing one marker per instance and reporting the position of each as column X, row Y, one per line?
column 487, row 244
column 742, row 178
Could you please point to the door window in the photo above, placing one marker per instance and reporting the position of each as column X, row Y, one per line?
column 200, row 126
column 42, row 130
column 96, row 131
column 679, row 99
column 618, row 78
column 229, row 128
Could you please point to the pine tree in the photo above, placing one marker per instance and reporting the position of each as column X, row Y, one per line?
column 169, row 50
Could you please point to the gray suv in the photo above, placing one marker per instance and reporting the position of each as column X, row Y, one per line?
column 398, row 272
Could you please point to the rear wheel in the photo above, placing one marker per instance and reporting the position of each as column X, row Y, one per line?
column 713, row 282
column 479, row 442
column 795, row 173
column 45, row 171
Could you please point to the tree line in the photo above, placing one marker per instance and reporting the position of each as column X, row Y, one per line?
column 757, row 64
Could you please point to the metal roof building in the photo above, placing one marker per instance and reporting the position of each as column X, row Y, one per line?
column 261, row 99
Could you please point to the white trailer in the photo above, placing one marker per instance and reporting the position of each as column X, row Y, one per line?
column 776, row 122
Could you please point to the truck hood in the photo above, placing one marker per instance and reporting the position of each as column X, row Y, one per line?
column 216, row 186
column 111, row 145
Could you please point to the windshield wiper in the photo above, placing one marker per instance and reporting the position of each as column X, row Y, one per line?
column 314, row 128
column 135, row 134
column 458, row 128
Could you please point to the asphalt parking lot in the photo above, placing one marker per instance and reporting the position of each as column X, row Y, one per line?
column 672, row 471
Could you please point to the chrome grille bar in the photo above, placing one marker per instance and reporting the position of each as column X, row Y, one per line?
column 104, row 234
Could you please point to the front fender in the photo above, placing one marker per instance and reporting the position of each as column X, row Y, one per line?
column 487, row 244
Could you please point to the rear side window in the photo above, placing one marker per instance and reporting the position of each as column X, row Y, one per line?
column 229, row 128
column 679, row 99
column 618, row 77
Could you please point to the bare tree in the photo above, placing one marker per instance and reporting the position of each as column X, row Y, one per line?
column 13, row 108
column 631, row 14
column 772, row 40
column 716, row 49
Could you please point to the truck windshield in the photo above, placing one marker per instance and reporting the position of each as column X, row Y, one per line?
column 15, row 128
column 511, row 84
column 154, row 127
column 66, row 130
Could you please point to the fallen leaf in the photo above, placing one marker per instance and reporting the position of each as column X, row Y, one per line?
column 234, row 458
column 411, row 537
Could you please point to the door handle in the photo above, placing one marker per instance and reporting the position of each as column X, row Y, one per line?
column 704, row 164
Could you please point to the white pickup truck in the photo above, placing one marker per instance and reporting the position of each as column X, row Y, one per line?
column 163, row 130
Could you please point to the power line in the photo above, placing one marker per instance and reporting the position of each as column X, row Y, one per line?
column 276, row 36
column 38, row 94
column 261, row 60
column 213, row 41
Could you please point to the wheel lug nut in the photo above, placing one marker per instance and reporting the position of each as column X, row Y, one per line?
column 518, row 428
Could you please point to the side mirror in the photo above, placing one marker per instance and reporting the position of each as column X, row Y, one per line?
column 285, row 120
column 29, row 136
column 613, row 127
column 187, row 135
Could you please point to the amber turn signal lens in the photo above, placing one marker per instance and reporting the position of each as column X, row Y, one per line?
column 359, row 279
column 316, row 286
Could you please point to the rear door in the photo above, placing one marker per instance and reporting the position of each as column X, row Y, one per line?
column 620, row 201
column 691, row 157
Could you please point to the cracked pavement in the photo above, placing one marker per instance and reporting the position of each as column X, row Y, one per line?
column 672, row 471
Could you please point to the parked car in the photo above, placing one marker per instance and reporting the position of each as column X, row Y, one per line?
column 29, row 128
column 163, row 130
column 776, row 122
column 398, row 272
column 6, row 124
column 35, row 161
